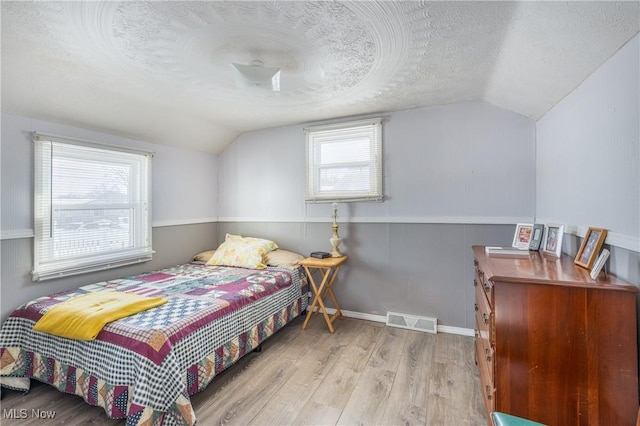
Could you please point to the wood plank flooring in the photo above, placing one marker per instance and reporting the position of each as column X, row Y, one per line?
column 364, row 374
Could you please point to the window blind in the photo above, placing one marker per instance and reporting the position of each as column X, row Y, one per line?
column 92, row 207
column 344, row 161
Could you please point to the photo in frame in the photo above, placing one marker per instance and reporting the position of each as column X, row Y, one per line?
column 590, row 247
column 552, row 240
column 522, row 236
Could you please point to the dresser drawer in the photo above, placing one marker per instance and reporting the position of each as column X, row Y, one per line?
column 484, row 317
column 486, row 382
column 485, row 354
column 480, row 280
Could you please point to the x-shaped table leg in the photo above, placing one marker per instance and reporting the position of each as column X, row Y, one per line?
column 325, row 289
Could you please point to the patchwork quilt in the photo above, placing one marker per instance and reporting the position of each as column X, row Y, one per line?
column 145, row 366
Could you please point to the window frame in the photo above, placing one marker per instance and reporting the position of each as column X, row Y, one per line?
column 46, row 264
column 344, row 132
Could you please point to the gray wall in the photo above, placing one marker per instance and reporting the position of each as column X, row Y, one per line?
column 454, row 176
column 588, row 161
column 415, row 268
column 184, row 208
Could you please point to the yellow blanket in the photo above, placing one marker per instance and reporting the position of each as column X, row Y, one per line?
column 83, row 317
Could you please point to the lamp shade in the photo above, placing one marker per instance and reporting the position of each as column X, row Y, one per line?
column 256, row 75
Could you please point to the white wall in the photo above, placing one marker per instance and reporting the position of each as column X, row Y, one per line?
column 184, row 182
column 469, row 162
column 588, row 153
column 184, row 207
column 588, row 161
column 454, row 176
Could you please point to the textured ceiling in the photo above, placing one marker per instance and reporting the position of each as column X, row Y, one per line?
column 160, row 71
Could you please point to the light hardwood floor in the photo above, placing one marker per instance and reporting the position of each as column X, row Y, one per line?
column 364, row 374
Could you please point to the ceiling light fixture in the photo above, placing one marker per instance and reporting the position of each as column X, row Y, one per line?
column 257, row 75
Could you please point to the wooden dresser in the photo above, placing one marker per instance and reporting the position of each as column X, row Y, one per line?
column 553, row 345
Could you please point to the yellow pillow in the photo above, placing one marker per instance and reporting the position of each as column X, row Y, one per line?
column 268, row 245
column 238, row 253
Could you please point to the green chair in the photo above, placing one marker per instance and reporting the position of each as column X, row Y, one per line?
column 502, row 419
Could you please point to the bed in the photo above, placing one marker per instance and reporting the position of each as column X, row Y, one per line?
column 145, row 366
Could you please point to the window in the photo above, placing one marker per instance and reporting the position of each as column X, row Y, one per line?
column 92, row 207
column 344, row 161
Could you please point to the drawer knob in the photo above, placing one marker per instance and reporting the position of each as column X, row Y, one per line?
column 488, row 391
column 487, row 354
column 486, row 319
column 475, row 282
column 476, row 306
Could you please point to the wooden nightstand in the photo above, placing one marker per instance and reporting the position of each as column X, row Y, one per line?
column 328, row 268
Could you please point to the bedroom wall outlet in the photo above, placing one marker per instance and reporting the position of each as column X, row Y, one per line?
column 412, row 322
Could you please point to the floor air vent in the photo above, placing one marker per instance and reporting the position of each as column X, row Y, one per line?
column 412, row 322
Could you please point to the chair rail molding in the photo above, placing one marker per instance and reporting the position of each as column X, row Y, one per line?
column 617, row 239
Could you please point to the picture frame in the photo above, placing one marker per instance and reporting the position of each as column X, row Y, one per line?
column 522, row 236
column 536, row 237
column 597, row 267
column 552, row 240
column 590, row 247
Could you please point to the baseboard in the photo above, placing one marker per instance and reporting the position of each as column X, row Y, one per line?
column 456, row 330
column 383, row 319
column 360, row 315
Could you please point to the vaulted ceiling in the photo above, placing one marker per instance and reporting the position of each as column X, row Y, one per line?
column 160, row 71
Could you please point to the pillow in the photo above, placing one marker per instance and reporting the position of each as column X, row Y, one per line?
column 268, row 245
column 203, row 256
column 283, row 259
column 238, row 253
